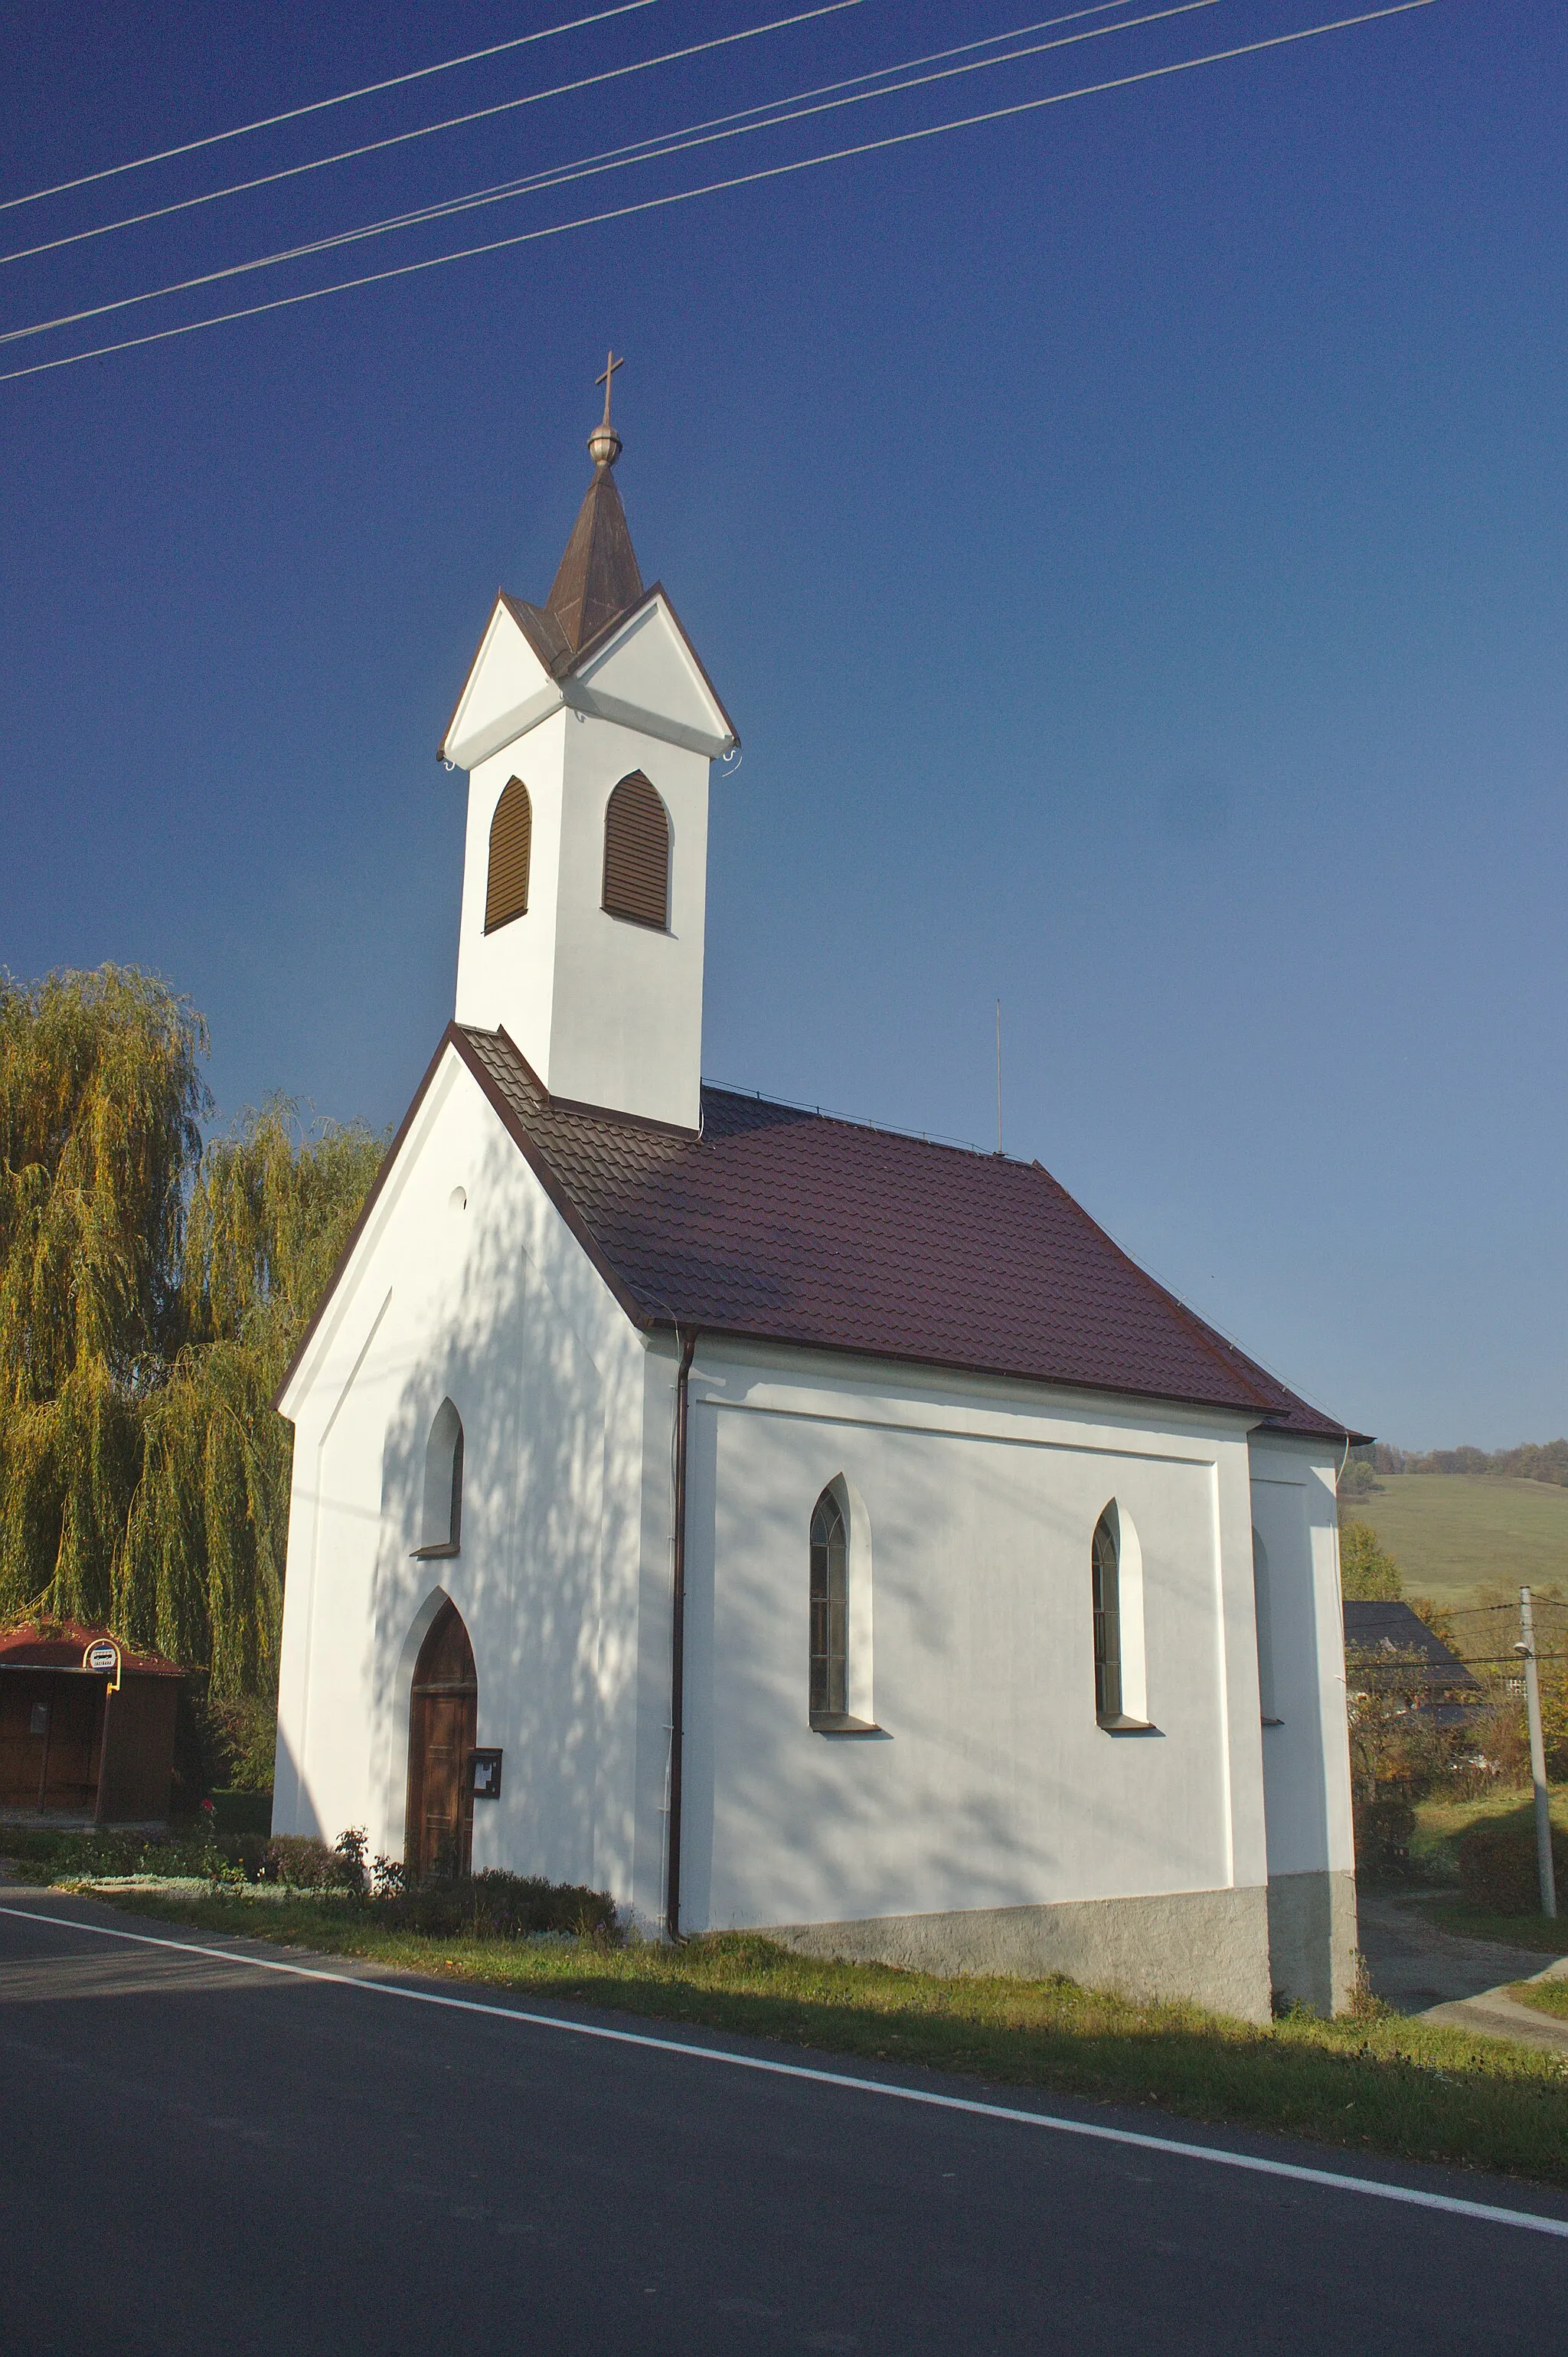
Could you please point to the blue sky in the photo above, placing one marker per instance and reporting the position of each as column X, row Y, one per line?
column 1132, row 538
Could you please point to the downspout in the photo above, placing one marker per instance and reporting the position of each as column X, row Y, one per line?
column 678, row 1642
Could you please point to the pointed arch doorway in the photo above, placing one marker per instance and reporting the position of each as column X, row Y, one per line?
column 442, row 1721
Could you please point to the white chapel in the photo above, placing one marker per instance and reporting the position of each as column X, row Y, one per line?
column 777, row 1522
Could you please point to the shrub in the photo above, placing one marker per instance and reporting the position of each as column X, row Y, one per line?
column 242, row 1737
column 42, row 1855
column 1396, row 1737
column 1383, row 1823
column 242, row 1813
column 296, row 1859
column 497, row 1906
column 1498, row 1871
column 1553, row 1678
column 1368, row 1572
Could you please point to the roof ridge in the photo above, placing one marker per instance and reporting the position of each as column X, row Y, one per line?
column 862, row 1122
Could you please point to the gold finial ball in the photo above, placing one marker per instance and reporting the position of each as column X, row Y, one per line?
column 604, row 445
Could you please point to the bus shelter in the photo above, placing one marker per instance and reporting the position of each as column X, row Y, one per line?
column 87, row 1727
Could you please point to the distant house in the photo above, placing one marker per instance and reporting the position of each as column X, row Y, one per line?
column 1383, row 1637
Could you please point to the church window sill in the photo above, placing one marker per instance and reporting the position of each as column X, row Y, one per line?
column 839, row 1722
column 428, row 1553
column 1127, row 1726
column 649, row 924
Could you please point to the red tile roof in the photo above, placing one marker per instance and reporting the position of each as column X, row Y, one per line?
column 789, row 1226
column 62, row 1645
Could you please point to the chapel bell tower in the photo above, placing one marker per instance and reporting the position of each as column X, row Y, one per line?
column 586, row 726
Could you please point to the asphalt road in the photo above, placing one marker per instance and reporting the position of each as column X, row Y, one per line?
column 198, row 2156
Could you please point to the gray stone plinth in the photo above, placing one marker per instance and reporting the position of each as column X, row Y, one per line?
column 1211, row 1946
column 1311, row 1939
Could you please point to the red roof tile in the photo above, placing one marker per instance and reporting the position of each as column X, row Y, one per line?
column 62, row 1644
column 790, row 1226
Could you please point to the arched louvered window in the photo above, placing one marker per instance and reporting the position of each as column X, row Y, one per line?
column 637, row 853
column 441, row 1521
column 511, row 840
column 830, row 1611
column 1107, row 1592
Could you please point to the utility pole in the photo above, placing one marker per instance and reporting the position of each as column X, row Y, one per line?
column 1537, row 1755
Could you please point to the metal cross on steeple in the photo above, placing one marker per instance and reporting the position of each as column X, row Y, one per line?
column 611, row 364
column 603, row 442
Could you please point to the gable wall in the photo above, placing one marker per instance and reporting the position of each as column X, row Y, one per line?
column 647, row 669
column 496, row 1306
column 506, row 687
column 991, row 1785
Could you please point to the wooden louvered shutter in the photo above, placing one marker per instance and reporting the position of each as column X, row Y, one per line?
column 511, row 839
column 637, row 853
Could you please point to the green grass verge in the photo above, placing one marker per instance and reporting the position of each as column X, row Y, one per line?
column 1379, row 2085
column 1547, row 1997
column 1453, row 1532
column 1439, row 1824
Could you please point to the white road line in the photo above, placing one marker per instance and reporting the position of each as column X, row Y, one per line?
column 1332, row 2179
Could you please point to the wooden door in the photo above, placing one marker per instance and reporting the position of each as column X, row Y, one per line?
column 442, row 1721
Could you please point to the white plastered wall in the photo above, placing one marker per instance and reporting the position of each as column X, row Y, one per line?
column 1306, row 1763
column 989, row 1784
column 508, row 977
column 626, row 1024
column 467, row 1283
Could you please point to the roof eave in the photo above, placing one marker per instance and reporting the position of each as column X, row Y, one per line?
column 544, row 1170
column 467, row 753
column 746, row 1337
column 301, row 1347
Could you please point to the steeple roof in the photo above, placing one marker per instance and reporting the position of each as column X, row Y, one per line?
column 597, row 600
column 598, row 578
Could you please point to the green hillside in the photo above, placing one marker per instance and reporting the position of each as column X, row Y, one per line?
column 1455, row 1533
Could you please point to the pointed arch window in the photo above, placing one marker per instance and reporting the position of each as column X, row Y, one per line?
column 637, row 854
column 1106, row 1579
column 830, row 1613
column 1121, row 1657
column 511, row 846
column 441, row 1520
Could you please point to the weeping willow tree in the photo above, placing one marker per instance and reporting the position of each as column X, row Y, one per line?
column 150, row 1294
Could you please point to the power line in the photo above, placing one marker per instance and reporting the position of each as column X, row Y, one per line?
column 449, row 122
column 1542, row 1604
column 793, row 110
column 317, row 105
column 717, row 187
